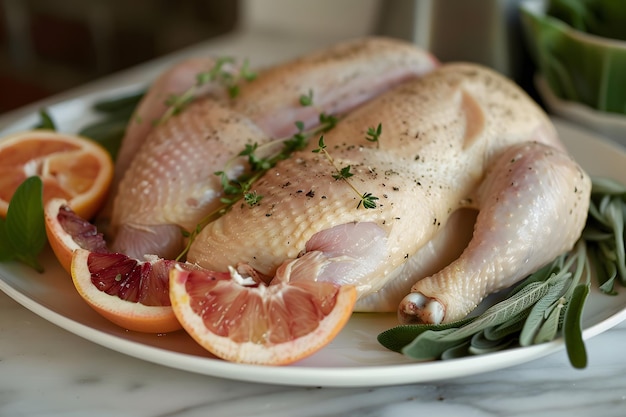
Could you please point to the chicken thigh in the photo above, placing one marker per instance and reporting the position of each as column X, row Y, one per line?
column 461, row 137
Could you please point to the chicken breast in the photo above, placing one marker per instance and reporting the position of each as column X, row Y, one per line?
column 170, row 182
column 460, row 137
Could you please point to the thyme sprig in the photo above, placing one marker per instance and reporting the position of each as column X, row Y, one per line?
column 260, row 159
column 367, row 200
column 373, row 134
column 221, row 73
column 240, row 188
column 306, row 100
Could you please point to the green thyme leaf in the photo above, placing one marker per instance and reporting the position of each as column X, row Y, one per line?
column 252, row 198
column 229, row 80
column 328, row 120
column 368, row 201
column 343, row 173
column 320, row 145
column 373, row 134
column 307, row 99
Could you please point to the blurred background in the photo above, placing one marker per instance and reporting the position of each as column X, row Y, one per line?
column 50, row 46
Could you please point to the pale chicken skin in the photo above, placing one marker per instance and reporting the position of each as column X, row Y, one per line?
column 461, row 137
column 169, row 182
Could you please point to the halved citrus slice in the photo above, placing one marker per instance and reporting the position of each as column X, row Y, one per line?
column 67, row 232
column 250, row 322
column 71, row 167
column 132, row 294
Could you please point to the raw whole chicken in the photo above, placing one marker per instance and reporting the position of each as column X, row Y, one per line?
column 457, row 141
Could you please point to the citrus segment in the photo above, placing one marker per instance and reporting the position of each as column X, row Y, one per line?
column 255, row 323
column 66, row 232
column 71, row 167
column 132, row 294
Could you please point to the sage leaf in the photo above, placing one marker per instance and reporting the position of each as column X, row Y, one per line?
column 572, row 327
column 125, row 103
column 480, row 345
column 46, row 121
column 431, row 344
column 595, row 214
column 502, row 311
column 108, row 133
column 24, row 226
column 509, row 327
column 540, row 275
column 604, row 185
column 615, row 216
column 455, row 352
column 398, row 337
column 591, row 234
column 550, row 327
column 608, row 287
column 537, row 314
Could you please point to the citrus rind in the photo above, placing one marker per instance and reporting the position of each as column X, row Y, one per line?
column 258, row 353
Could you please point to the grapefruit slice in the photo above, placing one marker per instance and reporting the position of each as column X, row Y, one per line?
column 132, row 294
column 71, row 167
column 66, row 232
column 241, row 320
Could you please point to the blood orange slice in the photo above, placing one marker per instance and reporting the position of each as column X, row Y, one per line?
column 71, row 167
column 132, row 294
column 67, row 232
column 255, row 323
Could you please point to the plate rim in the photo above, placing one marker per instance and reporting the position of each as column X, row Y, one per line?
column 327, row 376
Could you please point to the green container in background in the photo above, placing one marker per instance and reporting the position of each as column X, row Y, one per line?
column 578, row 66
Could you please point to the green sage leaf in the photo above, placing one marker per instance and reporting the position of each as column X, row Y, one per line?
column 125, row 103
column 398, row 337
column 509, row 327
column 457, row 351
column 537, row 315
column 615, row 216
column 24, row 224
column 46, row 121
column 480, row 345
column 502, row 311
column 431, row 344
column 604, row 185
column 550, row 327
column 572, row 327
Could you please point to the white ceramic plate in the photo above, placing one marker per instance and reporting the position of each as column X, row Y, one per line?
column 354, row 358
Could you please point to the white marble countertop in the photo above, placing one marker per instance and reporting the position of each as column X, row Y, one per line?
column 46, row 371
